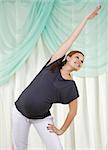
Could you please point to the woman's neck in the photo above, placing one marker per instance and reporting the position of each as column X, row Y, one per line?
column 65, row 73
column 66, row 69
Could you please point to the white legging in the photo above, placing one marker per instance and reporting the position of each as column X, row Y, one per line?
column 20, row 131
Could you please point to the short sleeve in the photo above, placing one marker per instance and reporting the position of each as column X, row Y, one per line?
column 58, row 61
column 69, row 93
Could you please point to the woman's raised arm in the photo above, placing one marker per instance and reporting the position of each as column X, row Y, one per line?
column 68, row 43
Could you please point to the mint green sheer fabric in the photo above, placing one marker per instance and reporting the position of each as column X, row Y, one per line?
column 16, row 40
column 23, row 22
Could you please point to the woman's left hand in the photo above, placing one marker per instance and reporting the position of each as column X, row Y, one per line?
column 52, row 128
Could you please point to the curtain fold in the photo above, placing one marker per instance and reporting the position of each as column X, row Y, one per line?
column 12, row 58
column 23, row 22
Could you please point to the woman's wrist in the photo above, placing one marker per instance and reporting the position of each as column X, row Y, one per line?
column 61, row 131
column 86, row 19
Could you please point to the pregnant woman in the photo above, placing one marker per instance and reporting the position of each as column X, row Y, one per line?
column 53, row 84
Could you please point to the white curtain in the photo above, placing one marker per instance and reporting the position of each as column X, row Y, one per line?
column 88, row 130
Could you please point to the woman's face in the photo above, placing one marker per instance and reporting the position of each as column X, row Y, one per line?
column 76, row 61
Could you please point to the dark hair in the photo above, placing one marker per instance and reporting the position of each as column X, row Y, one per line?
column 59, row 66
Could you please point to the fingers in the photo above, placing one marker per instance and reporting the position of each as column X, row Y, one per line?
column 50, row 127
column 95, row 12
column 98, row 7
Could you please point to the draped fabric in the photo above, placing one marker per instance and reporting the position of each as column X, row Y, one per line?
column 88, row 130
column 14, row 51
column 22, row 22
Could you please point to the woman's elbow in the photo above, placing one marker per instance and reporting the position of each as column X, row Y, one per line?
column 73, row 112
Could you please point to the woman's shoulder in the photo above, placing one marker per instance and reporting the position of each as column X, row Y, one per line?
column 53, row 60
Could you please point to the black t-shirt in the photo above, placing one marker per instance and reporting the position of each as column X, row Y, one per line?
column 45, row 89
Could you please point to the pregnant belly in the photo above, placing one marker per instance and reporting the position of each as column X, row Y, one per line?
column 37, row 107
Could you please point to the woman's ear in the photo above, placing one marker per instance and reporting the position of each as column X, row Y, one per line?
column 68, row 58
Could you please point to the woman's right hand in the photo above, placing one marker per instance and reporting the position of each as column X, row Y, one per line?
column 93, row 13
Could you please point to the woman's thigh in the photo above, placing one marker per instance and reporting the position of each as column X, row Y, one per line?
column 50, row 139
column 20, row 130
